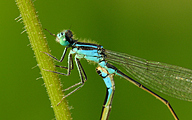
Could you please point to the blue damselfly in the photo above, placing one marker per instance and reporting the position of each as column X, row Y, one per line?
column 168, row 79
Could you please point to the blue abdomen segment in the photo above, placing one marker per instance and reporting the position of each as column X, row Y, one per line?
column 108, row 83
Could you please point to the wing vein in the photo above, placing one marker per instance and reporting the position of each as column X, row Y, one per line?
column 169, row 79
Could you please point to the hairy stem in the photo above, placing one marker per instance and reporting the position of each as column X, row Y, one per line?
column 39, row 45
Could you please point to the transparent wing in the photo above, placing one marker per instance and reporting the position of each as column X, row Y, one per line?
column 169, row 79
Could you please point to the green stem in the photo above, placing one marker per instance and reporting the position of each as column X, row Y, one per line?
column 38, row 43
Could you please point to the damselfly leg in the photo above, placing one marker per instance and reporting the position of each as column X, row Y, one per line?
column 82, row 73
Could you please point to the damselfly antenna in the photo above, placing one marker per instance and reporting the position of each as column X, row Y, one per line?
column 50, row 33
column 70, row 27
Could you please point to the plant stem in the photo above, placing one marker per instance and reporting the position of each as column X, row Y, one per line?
column 38, row 43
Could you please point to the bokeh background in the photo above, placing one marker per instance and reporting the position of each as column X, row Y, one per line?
column 159, row 30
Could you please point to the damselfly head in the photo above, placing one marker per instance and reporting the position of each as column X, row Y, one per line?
column 65, row 37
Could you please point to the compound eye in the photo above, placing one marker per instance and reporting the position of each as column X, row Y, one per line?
column 62, row 33
column 59, row 35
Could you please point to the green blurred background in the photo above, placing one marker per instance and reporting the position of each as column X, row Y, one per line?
column 159, row 30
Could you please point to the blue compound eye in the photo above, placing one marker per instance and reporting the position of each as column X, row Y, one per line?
column 59, row 35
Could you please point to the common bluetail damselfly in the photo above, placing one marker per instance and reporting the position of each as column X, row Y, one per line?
column 169, row 79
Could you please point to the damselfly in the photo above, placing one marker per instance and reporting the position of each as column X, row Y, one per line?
column 168, row 79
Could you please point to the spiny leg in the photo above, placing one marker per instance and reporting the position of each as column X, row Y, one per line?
column 63, row 67
column 69, row 68
column 81, row 74
column 80, row 69
column 62, row 57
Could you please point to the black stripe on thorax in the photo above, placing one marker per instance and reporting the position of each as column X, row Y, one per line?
column 84, row 43
column 86, row 46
